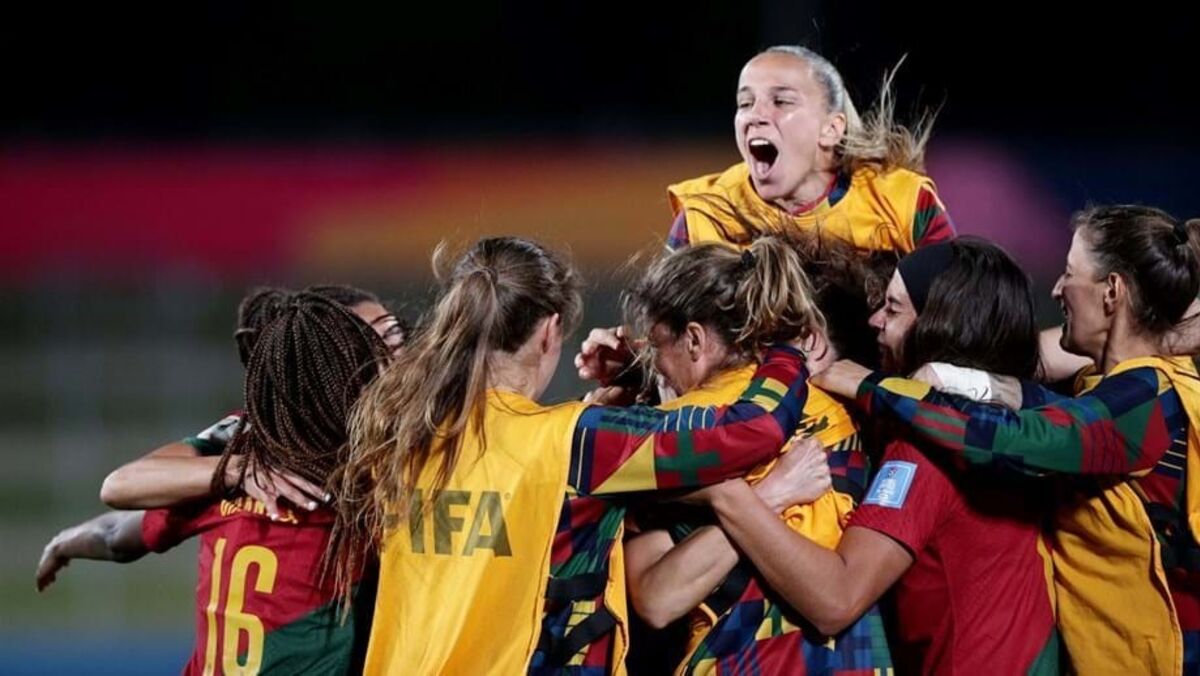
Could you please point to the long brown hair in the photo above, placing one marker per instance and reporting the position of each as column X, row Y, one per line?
column 415, row 414
column 848, row 286
column 751, row 299
column 979, row 314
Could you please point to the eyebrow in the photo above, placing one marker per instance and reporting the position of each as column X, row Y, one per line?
column 775, row 89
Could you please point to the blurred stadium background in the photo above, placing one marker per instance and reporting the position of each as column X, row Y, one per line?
column 156, row 162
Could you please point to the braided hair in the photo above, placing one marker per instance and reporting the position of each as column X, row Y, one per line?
column 303, row 375
column 256, row 310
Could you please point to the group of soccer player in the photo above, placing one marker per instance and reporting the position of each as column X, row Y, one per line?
column 829, row 437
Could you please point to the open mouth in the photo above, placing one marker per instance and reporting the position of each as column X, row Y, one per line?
column 764, row 153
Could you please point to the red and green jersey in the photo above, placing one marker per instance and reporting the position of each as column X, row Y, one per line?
column 864, row 209
column 760, row 634
column 617, row 452
column 1132, row 424
column 1126, row 425
column 977, row 598
column 260, row 604
column 755, row 631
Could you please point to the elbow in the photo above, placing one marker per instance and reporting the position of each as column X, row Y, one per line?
column 654, row 609
column 837, row 614
column 655, row 615
column 831, row 615
column 112, row 491
column 120, row 490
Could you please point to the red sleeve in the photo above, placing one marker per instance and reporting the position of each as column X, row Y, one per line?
column 622, row 450
column 908, row 499
column 162, row 529
column 931, row 223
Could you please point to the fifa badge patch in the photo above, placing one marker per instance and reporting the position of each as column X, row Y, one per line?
column 891, row 484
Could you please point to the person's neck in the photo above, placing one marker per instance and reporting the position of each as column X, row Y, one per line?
column 811, row 192
column 509, row 373
column 728, row 363
column 1123, row 344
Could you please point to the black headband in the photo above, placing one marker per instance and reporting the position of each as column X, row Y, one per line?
column 921, row 267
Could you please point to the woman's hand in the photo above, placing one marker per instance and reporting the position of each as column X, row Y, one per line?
column 799, row 477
